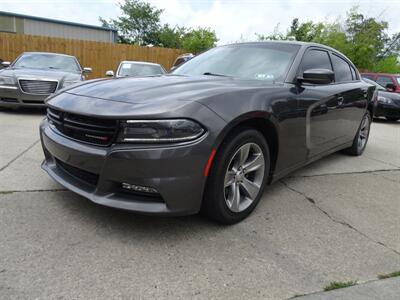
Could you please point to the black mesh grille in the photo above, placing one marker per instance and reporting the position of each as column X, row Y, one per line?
column 87, row 129
column 83, row 175
column 38, row 87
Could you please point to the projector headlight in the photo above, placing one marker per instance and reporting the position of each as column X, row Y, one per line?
column 384, row 100
column 160, row 131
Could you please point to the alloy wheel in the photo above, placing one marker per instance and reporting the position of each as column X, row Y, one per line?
column 364, row 132
column 244, row 177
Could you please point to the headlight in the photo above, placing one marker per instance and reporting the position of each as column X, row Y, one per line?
column 384, row 100
column 160, row 131
column 7, row 80
column 67, row 83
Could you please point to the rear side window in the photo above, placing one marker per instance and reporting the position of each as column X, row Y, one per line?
column 315, row 59
column 353, row 73
column 342, row 69
column 384, row 80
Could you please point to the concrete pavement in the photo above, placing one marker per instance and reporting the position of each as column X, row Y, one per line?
column 336, row 220
column 388, row 289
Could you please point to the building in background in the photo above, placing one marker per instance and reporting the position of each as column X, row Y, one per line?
column 17, row 23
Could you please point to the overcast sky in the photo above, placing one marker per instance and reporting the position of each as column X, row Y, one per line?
column 231, row 19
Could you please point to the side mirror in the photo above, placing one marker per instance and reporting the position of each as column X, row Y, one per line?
column 390, row 87
column 87, row 70
column 110, row 73
column 5, row 64
column 317, row 76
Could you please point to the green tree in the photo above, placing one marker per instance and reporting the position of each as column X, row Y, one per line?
column 363, row 39
column 306, row 32
column 139, row 23
column 199, row 40
column 171, row 37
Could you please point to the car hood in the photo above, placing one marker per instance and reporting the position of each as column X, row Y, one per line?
column 40, row 74
column 162, row 88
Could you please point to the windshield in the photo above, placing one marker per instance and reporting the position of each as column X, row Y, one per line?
column 245, row 61
column 398, row 80
column 135, row 69
column 47, row 61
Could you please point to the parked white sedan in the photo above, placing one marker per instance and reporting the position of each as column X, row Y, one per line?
column 136, row 69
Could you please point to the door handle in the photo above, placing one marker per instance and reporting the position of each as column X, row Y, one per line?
column 340, row 101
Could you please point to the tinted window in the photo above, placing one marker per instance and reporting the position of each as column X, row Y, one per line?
column 179, row 61
column 47, row 61
column 342, row 69
column 268, row 62
column 384, row 80
column 315, row 59
column 135, row 69
column 353, row 73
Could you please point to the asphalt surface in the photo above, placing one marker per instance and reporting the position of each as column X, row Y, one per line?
column 335, row 220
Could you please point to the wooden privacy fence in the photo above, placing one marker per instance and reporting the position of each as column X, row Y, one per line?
column 97, row 55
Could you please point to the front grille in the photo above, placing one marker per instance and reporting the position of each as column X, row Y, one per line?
column 83, row 175
column 87, row 129
column 38, row 87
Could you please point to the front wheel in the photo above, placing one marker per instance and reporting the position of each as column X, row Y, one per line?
column 238, row 177
column 361, row 138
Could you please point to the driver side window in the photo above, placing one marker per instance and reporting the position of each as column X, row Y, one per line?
column 315, row 59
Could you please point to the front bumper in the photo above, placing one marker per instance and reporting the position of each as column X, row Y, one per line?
column 176, row 171
column 14, row 97
column 388, row 110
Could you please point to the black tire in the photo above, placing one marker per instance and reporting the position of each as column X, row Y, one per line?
column 356, row 149
column 391, row 119
column 214, row 205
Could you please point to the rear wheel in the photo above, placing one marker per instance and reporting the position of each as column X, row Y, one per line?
column 391, row 119
column 238, row 177
column 361, row 138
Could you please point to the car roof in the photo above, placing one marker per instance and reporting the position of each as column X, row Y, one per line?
column 139, row 62
column 303, row 44
column 47, row 53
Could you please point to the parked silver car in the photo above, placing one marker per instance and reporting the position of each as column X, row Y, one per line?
column 129, row 68
column 33, row 76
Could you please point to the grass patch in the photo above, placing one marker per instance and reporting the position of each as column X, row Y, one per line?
column 339, row 285
column 393, row 274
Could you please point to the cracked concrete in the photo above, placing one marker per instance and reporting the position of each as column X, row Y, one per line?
column 337, row 219
column 333, row 219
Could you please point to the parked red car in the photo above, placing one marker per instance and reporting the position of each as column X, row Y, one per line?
column 390, row 81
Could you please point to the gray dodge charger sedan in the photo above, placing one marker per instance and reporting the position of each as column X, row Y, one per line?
column 210, row 136
column 33, row 76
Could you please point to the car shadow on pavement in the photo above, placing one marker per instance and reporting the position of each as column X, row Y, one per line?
column 121, row 224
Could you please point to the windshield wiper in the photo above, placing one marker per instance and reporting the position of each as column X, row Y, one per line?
column 215, row 74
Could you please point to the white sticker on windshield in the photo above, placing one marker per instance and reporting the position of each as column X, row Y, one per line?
column 264, row 76
column 126, row 66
